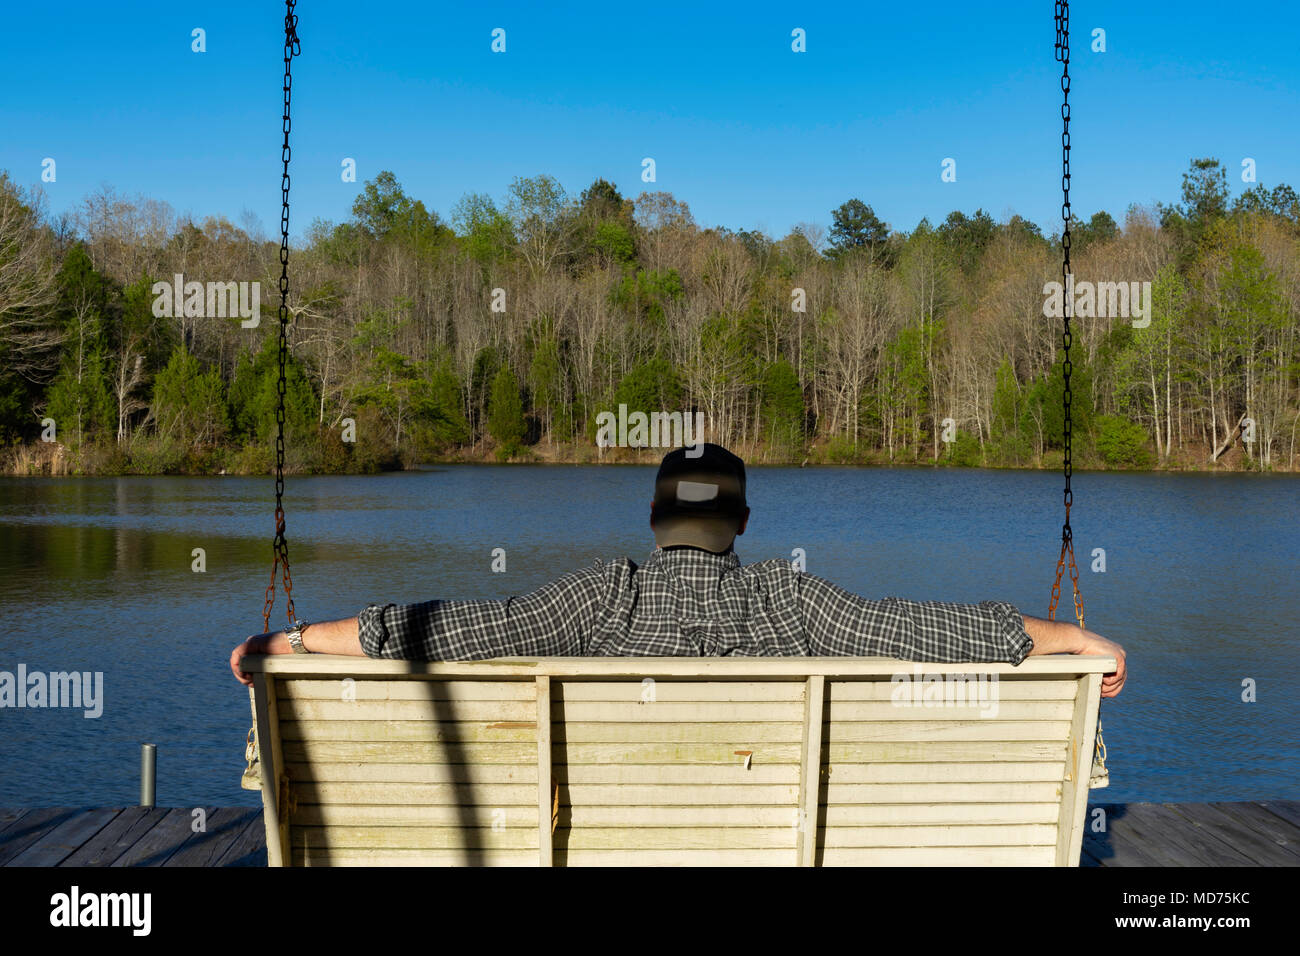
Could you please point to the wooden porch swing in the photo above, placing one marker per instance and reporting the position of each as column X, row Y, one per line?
column 672, row 761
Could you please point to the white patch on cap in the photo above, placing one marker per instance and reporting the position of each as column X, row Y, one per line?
column 696, row 491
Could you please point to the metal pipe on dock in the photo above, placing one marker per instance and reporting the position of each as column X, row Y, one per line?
column 148, row 774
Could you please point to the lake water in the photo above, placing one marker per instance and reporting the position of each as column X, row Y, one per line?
column 1201, row 586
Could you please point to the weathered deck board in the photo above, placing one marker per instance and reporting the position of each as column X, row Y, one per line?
column 62, row 841
column 1177, row 843
column 164, row 840
column 1288, row 810
column 1263, row 821
column 1256, row 839
column 223, row 827
column 248, row 848
column 30, row 827
column 116, row 838
column 1122, row 843
column 1265, row 833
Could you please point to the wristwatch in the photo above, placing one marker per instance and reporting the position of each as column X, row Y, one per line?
column 294, row 634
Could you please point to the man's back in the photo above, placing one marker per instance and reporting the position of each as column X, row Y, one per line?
column 686, row 601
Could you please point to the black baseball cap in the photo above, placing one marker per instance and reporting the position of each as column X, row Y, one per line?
column 699, row 498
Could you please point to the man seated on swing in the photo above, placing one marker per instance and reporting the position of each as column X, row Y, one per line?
column 692, row 598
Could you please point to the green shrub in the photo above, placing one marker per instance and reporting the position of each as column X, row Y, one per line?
column 114, row 459
column 201, row 460
column 782, row 408
column 506, row 412
column 512, row 450
column 335, row 453
column 157, row 456
column 255, row 458
column 839, row 450
column 1121, row 443
column 372, row 451
column 964, row 451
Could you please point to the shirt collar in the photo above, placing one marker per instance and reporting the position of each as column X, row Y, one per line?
column 687, row 557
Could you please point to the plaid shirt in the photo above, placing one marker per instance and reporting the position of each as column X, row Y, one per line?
column 685, row 602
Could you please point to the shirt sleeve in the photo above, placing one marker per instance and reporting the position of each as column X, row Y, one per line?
column 554, row 621
column 838, row 623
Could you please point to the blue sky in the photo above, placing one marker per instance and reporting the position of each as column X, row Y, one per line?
column 748, row 133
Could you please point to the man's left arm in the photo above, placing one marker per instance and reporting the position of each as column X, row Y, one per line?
column 318, row 637
column 552, row 621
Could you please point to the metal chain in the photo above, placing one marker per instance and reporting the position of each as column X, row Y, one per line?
column 280, row 546
column 1063, row 56
column 1099, row 776
column 1067, row 535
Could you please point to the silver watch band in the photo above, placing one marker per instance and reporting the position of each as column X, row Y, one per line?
column 294, row 634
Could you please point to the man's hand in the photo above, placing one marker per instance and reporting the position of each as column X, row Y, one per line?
column 258, row 644
column 1113, row 683
column 319, row 637
column 1059, row 637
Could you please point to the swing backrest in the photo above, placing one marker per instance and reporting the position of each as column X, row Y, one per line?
column 674, row 761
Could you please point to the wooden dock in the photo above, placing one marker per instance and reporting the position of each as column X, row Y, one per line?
column 1265, row 833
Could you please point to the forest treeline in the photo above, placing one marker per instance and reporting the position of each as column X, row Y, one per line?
column 505, row 328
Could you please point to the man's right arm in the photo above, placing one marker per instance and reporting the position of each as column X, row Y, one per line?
column 838, row 622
